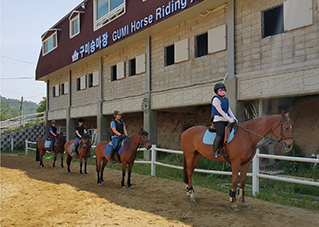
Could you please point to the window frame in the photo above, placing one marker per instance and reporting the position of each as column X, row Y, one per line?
column 171, row 57
column 113, row 73
column 132, row 70
column 54, row 36
column 263, row 22
column 71, row 20
column 109, row 16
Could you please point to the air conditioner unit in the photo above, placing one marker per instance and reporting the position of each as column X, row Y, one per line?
column 266, row 147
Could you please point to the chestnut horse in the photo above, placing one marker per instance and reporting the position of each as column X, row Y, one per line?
column 239, row 152
column 84, row 152
column 127, row 157
column 58, row 145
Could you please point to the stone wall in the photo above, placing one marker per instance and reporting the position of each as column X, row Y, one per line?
column 32, row 133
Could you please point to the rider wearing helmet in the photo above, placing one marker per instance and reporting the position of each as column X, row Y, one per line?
column 53, row 131
column 119, row 132
column 221, row 115
column 79, row 132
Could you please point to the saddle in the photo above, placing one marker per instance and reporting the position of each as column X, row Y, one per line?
column 117, row 151
column 211, row 132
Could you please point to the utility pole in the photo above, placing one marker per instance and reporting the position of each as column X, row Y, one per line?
column 21, row 109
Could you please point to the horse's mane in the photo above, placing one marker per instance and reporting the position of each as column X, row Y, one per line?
column 144, row 133
column 260, row 118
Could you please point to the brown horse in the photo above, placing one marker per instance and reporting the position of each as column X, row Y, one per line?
column 58, row 145
column 127, row 157
column 84, row 152
column 239, row 152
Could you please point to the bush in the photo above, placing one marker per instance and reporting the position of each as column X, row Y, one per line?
column 294, row 167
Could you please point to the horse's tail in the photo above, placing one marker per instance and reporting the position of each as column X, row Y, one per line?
column 37, row 157
column 185, row 170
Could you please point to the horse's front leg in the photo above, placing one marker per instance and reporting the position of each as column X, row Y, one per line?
column 81, row 164
column 85, row 164
column 62, row 160
column 130, row 166
column 123, row 174
column 55, row 154
column 104, row 162
column 243, row 175
column 232, row 193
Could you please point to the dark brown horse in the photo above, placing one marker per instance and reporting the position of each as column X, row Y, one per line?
column 127, row 157
column 84, row 152
column 239, row 152
column 58, row 148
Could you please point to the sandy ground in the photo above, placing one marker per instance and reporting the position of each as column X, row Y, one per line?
column 31, row 196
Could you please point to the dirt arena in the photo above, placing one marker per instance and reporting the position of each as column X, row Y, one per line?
column 31, row 196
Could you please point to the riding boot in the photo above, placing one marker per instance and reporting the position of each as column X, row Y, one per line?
column 111, row 156
column 216, row 146
column 75, row 150
column 52, row 148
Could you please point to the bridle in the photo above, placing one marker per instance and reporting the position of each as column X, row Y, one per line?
column 143, row 143
column 282, row 137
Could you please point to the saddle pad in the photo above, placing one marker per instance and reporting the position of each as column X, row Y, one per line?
column 209, row 137
column 108, row 148
column 47, row 143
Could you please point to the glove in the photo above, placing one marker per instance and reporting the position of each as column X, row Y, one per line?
column 231, row 120
column 122, row 136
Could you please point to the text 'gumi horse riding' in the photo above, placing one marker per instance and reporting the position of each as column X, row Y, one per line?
column 126, row 157
column 239, row 152
column 58, row 148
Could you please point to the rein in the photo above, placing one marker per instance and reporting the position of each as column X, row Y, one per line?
column 268, row 138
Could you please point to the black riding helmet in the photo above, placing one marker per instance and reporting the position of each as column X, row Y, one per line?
column 81, row 120
column 219, row 85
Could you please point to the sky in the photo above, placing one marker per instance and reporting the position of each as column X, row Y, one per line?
column 22, row 24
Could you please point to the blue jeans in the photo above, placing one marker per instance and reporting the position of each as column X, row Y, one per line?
column 115, row 141
column 77, row 140
column 52, row 140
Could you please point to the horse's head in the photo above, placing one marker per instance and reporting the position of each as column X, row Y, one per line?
column 86, row 143
column 144, row 139
column 60, row 140
column 283, row 132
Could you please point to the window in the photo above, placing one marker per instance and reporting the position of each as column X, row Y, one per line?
column 132, row 67
column 201, row 45
column 113, row 73
column 94, row 79
column 107, row 10
column 56, row 90
column 74, row 26
column 78, row 84
column 169, row 55
column 65, row 88
column 273, row 21
column 49, row 44
column 81, row 83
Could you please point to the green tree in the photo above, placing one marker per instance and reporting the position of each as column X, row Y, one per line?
column 8, row 112
column 42, row 105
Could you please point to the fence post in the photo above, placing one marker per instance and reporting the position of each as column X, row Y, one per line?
column 26, row 146
column 153, row 166
column 11, row 144
column 255, row 179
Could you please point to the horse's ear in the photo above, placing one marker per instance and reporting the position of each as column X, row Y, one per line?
column 283, row 115
column 141, row 130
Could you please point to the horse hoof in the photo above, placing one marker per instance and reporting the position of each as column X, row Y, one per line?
column 235, row 208
column 99, row 183
column 123, row 187
column 246, row 206
column 188, row 196
column 131, row 186
column 193, row 199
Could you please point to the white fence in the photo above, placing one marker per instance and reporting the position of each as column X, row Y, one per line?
column 255, row 164
column 20, row 120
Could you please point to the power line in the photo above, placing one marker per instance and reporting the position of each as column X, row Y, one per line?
column 15, row 59
column 19, row 78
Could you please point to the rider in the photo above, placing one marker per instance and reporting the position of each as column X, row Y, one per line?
column 119, row 132
column 221, row 115
column 53, row 131
column 79, row 132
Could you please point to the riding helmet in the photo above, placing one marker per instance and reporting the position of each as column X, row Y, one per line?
column 219, row 85
column 117, row 112
column 81, row 120
column 53, row 122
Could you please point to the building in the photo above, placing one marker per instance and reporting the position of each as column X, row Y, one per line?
column 158, row 61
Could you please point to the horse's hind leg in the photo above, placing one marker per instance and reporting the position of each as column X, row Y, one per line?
column 68, row 162
column 41, row 158
column 130, row 166
column 243, row 175
column 103, row 167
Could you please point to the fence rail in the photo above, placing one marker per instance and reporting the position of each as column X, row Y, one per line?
column 20, row 120
column 255, row 166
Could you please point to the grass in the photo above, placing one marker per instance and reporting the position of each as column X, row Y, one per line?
column 285, row 193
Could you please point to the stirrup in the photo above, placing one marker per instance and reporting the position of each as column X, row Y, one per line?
column 217, row 154
column 112, row 161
